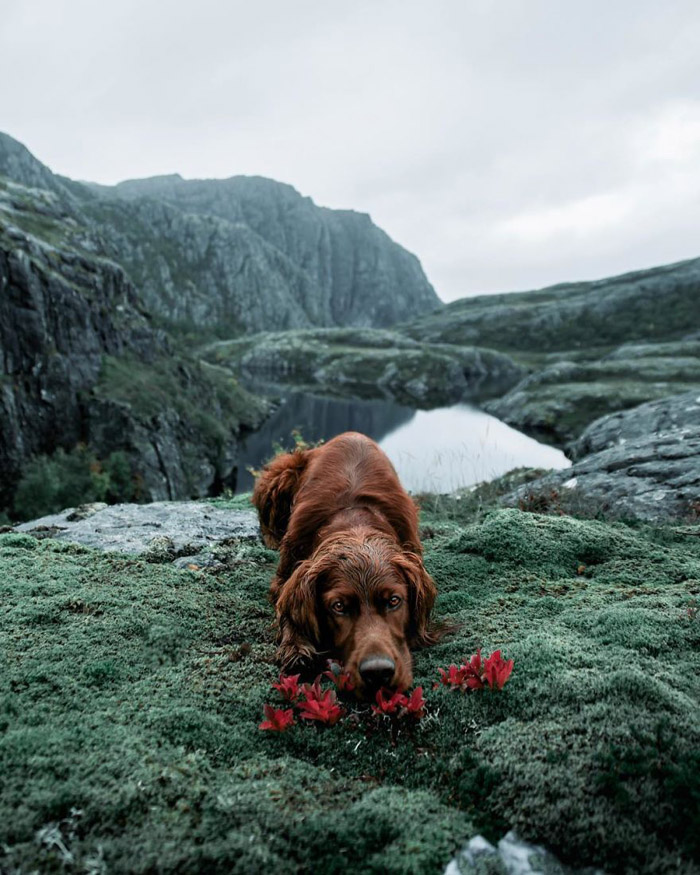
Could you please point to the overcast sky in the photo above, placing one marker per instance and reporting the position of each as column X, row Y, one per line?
column 509, row 143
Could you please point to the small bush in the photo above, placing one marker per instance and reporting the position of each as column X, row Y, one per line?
column 66, row 479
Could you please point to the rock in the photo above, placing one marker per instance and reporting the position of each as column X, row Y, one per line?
column 85, row 511
column 247, row 238
column 678, row 414
column 512, row 857
column 81, row 362
column 369, row 363
column 160, row 531
column 643, row 463
column 556, row 403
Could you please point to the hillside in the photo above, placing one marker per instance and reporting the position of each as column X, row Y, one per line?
column 659, row 304
column 89, row 385
column 593, row 348
column 131, row 690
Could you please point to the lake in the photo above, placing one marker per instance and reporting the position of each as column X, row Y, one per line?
column 433, row 450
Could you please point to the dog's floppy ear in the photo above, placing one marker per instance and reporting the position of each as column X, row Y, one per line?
column 299, row 630
column 421, row 595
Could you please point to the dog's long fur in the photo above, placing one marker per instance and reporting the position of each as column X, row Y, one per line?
column 339, row 511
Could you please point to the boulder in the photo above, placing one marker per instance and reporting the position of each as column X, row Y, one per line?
column 162, row 529
column 642, row 463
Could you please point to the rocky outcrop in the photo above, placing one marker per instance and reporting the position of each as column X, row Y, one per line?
column 557, row 402
column 340, row 268
column 64, row 316
column 642, row 463
column 369, row 363
column 180, row 528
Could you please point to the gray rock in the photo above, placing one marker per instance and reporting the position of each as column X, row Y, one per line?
column 238, row 254
column 642, row 463
column 161, row 530
column 67, row 319
column 512, row 857
column 247, row 240
column 679, row 414
column 556, row 403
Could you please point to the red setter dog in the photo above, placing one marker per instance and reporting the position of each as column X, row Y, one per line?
column 350, row 582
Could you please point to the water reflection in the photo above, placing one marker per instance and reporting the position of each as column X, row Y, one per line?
column 433, row 451
column 452, row 447
column 317, row 419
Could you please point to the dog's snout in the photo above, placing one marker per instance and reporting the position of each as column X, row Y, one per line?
column 377, row 671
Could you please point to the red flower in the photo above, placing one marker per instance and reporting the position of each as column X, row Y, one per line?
column 497, row 670
column 454, row 677
column 340, row 678
column 320, row 706
column 474, row 673
column 388, row 702
column 288, row 687
column 415, row 704
column 398, row 704
column 278, row 720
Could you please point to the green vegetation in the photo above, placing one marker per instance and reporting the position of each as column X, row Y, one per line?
column 206, row 396
column 130, row 695
column 66, row 479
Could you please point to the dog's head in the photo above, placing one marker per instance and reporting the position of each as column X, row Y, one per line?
column 363, row 601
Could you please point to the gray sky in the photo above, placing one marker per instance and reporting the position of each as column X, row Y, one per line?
column 508, row 143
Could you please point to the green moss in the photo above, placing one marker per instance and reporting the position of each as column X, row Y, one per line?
column 130, row 695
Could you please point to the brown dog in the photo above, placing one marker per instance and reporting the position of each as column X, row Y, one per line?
column 350, row 582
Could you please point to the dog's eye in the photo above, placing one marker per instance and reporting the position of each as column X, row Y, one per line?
column 394, row 602
column 338, row 607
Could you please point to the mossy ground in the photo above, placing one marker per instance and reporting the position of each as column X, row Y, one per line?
column 131, row 692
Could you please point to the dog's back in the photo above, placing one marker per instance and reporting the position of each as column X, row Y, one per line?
column 299, row 492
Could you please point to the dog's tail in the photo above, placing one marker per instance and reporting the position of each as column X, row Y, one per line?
column 274, row 493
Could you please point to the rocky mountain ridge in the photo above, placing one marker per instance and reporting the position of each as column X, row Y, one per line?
column 236, row 255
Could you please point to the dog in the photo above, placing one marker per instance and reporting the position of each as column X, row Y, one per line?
column 350, row 584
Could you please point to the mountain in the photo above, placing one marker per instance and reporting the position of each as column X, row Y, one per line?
column 100, row 397
column 223, row 257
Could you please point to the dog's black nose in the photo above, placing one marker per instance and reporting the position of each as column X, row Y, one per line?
column 377, row 671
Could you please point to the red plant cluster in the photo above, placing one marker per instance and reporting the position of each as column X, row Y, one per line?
column 476, row 673
column 399, row 705
column 311, row 702
column 314, row 704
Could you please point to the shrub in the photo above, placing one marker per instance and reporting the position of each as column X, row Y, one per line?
column 66, row 479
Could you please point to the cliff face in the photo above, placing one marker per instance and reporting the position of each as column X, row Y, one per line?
column 66, row 316
column 240, row 237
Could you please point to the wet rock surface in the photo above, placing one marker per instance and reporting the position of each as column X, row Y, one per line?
column 161, row 530
column 642, row 463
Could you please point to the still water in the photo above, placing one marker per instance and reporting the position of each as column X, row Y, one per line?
column 433, row 450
